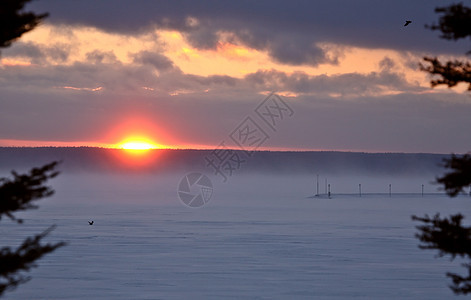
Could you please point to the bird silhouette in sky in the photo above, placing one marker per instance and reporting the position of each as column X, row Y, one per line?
column 407, row 23
column 90, row 223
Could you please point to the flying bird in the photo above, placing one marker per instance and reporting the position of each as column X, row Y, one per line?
column 407, row 23
column 90, row 223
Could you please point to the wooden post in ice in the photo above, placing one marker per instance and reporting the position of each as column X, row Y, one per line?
column 422, row 190
column 329, row 191
column 389, row 190
column 359, row 189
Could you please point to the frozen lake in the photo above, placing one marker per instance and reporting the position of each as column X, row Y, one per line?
column 249, row 242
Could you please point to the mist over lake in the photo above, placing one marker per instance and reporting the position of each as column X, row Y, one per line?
column 262, row 235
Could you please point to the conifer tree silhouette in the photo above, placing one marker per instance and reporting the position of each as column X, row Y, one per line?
column 20, row 192
column 448, row 235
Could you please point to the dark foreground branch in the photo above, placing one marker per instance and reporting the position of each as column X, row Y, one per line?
column 20, row 192
column 448, row 236
column 459, row 176
column 23, row 259
column 451, row 73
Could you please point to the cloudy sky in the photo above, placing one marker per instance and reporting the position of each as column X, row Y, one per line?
column 190, row 73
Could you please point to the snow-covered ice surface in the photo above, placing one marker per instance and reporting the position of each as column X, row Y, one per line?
column 249, row 242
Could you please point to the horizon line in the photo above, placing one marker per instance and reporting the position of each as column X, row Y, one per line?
column 238, row 149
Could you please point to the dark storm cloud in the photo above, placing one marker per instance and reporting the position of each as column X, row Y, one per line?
column 203, row 38
column 98, row 57
column 349, row 84
column 386, row 64
column 298, row 52
column 288, row 30
column 26, row 50
column 157, row 60
column 39, row 54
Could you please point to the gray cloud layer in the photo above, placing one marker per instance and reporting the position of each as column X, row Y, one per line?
column 82, row 101
column 289, row 30
column 204, row 110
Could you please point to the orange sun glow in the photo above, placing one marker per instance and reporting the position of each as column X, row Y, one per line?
column 137, row 151
column 137, row 145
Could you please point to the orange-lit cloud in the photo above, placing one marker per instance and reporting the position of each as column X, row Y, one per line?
column 14, row 62
column 229, row 58
column 83, row 88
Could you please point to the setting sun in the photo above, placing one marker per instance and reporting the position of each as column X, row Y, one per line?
column 137, row 151
column 137, row 144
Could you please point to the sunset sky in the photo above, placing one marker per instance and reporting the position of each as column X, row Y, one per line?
column 185, row 74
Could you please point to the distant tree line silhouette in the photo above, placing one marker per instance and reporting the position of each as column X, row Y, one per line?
column 448, row 235
column 20, row 192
